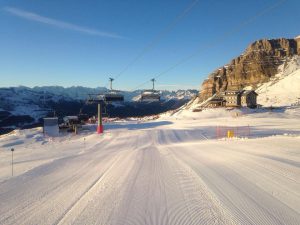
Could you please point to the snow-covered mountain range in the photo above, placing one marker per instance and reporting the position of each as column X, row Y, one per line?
column 56, row 93
column 37, row 102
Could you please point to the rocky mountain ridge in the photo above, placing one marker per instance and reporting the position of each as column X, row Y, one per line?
column 258, row 63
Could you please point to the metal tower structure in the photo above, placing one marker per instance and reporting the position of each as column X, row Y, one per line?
column 153, row 81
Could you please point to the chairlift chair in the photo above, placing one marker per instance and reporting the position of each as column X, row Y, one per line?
column 113, row 95
column 150, row 95
column 94, row 98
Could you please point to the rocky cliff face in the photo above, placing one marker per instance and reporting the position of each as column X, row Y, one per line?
column 256, row 65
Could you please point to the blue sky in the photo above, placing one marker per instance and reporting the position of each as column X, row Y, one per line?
column 67, row 42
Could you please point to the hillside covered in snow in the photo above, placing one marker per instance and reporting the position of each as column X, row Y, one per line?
column 284, row 88
column 174, row 170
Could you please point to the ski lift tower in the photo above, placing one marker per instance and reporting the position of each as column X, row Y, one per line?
column 153, row 81
column 102, row 99
column 98, row 100
column 110, row 81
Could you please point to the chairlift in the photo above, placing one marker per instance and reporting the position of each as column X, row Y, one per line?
column 94, row 98
column 113, row 95
column 150, row 95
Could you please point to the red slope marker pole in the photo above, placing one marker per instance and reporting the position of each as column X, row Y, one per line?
column 100, row 126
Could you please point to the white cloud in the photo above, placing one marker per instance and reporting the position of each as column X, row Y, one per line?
column 57, row 23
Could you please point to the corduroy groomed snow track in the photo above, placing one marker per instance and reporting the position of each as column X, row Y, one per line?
column 166, row 172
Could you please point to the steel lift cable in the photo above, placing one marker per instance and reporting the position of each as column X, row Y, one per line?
column 159, row 36
column 216, row 42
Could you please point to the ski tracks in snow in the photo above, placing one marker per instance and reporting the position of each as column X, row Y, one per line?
column 163, row 191
column 249, row 193
column 155, row 177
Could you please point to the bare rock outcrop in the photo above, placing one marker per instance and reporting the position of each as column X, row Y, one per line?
column 256, row 65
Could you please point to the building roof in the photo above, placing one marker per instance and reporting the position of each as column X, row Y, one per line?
column 50, row 118
column 68, row 118
column 248, row 92
column 217, row 100
column 239, row 92
column 50, row 121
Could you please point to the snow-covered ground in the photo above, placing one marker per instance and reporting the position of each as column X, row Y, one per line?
column 167, row 171
column 284, row 88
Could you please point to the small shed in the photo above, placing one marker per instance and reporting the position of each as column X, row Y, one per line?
column 248, row 99
column 50, row 127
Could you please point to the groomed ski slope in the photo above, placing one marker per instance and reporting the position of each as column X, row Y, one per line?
column 167, row 171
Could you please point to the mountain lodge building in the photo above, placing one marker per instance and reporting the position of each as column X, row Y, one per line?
column 234, row 98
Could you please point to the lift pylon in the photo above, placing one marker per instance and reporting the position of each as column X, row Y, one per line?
column 100, row 125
